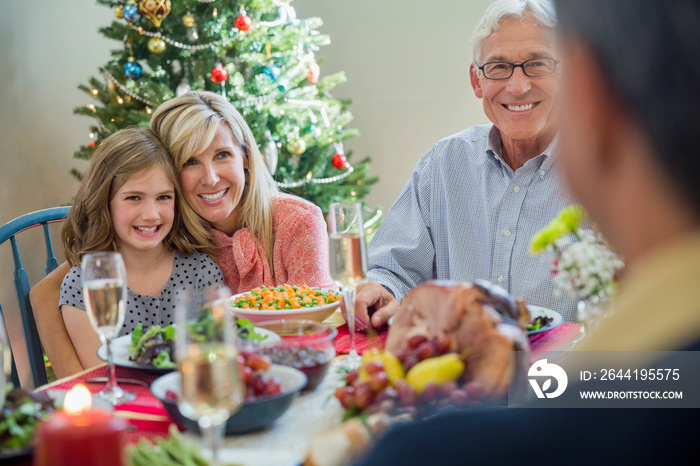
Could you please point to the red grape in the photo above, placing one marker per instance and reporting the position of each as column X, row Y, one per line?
column 363, row 395
column 459, row 397
column 258, row 384
column 431, row 393
column 411, row 360
column 416, row 340
column 351, row 377
column 274, row 387
column 407, row 395
column 474, row 389
column 259, row 362
column 425, row 350
column 373, row 367
column 247, row 375
column 387, row 394
column 447, row 388
column 443, row 344
column 378, row 381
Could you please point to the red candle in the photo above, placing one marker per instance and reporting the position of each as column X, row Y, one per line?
column 80, row 436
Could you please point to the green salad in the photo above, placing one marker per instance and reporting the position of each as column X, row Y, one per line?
column 155, row 346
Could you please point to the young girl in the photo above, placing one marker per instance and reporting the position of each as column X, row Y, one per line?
column 129, row 202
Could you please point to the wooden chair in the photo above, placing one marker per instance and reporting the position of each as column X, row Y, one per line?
column 31, row 337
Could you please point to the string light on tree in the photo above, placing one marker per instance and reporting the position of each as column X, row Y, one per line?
column 270, row 153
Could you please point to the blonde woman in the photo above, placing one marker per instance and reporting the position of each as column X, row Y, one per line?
column 261, row 237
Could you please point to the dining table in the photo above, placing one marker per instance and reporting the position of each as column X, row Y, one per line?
column 286, row 441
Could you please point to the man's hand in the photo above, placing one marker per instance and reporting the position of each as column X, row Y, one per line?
column 372, row 299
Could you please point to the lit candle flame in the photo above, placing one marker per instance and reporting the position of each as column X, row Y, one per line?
column 78, row 399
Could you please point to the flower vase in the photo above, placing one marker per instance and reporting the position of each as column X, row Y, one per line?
column 591, row 311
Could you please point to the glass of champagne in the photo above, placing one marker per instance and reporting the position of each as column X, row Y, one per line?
column 211, row 387
column 104, row 291
column 348, row 262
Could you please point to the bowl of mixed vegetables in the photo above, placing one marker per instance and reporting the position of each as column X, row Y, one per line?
column 285, row 302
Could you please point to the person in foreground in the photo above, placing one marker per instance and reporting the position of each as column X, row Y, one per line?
column 260, row 236
column 631, row 155
column 477, row 197
column 129, row 202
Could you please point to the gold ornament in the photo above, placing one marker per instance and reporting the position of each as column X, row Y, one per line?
column 155, row 10
column 119, row 12
column 188, row 20
column 156, row 45
column 296, row 146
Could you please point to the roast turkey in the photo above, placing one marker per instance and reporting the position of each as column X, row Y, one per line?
column 482, row 320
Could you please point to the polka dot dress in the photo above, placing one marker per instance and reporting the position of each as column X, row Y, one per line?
column 195, row 272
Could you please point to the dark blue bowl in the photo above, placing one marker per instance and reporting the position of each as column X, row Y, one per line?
column 253, row 415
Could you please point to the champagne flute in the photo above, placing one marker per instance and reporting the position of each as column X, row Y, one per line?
column 348, row 262
column 104, row 290
column 207, row 356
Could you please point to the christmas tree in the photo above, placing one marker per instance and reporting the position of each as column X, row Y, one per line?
column 256, row 53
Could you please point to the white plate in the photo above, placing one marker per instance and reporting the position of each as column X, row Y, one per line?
column 121, row 351
column 536, row 311
column 318, row 313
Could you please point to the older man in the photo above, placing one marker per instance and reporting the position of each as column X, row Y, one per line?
column 477, row 197
column 631, row 153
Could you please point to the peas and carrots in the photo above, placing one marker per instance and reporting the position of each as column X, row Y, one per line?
column 285, row 297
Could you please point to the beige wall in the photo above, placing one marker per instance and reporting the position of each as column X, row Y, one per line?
column 406, row 62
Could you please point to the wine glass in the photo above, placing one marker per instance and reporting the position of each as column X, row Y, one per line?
column 348, row 262
column 207, row 356
column 104, row 290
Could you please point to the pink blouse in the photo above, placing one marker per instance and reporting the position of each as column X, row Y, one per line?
column 300, row 252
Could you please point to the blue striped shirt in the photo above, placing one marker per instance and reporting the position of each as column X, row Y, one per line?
column 466, row 215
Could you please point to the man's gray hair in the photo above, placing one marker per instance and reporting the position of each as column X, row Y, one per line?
column 542, row 10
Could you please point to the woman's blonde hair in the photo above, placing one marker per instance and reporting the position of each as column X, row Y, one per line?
column 89, row 227
column 187, row 125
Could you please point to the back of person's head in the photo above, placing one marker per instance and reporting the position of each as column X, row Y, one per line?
column 542, row 10
column 648, row 52
column 187, row 125
column 124, row 154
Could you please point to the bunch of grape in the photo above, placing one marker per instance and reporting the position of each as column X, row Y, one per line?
column 252, row 368
column 377, row 394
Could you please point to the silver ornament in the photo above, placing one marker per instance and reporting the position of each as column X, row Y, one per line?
column 183, row 88
column 270, row 152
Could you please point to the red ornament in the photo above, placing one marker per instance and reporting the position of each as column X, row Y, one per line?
column 243, row 22
column 219, row 74
column 339, row 161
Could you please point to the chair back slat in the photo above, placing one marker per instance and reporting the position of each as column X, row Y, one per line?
column 51, row 262
column 9, row 231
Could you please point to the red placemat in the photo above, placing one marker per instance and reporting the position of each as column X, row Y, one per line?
column 145, row 403
column 555, row 338
column 363, row 341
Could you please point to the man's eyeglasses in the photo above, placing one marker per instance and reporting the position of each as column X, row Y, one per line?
column 534, row 68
